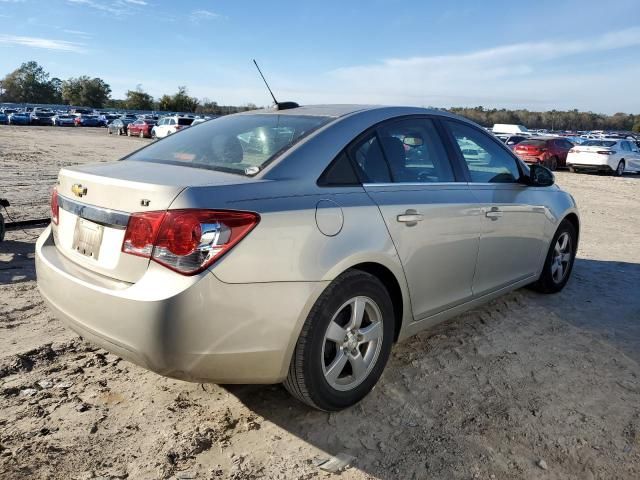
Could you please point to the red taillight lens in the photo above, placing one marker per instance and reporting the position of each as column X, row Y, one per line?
column 606, row 152
column 186, row 241
column 141, row 233
column 55, row 208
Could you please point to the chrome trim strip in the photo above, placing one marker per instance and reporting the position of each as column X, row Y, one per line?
column 103, row 216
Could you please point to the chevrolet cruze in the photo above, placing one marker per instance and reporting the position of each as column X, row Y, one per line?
column 297, row 245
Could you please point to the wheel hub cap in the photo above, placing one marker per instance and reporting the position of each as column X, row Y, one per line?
column 352, row 343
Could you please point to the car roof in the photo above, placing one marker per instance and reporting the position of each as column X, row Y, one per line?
column 340, row 110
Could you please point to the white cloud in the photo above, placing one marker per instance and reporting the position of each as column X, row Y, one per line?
column 79, row 33
column 44, row 43
column 113, row 7
column 200, row 15
column 509, row 75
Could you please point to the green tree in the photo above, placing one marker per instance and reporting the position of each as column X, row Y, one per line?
column 29, row 83
column 179, row 102
column 636, row 127
column 138, row 99
column 85, row 91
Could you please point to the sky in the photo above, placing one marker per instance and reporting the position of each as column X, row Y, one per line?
column 540, row 55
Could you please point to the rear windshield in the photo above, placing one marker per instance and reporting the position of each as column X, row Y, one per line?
column 241, row 144
column 598, row 143
column 533, row 143
column 185, row 121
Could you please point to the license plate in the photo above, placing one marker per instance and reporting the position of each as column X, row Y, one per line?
column 87, row 238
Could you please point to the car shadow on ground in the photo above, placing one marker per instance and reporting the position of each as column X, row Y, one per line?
column 601, row 296
column 17, row 261
column 428, row 414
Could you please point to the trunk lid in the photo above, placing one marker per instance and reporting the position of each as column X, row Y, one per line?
column 96, row 201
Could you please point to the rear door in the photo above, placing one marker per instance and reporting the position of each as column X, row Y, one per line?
column 430, row 215
column 513, row 215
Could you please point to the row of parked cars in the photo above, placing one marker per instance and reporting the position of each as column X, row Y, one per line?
column 150, row 127
column 119, row 123
column 606, row 152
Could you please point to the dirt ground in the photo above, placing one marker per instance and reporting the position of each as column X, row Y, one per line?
column 529, row 386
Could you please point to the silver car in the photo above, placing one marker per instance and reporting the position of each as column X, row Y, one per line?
column 297, row 245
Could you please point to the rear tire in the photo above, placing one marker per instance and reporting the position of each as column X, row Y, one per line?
column 559, row 261
column 553, row 164
column 2, row 228
column 337, row 360
column 619, row 171
column 141, row 134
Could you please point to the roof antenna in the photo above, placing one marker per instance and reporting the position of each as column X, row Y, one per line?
column 278, row 105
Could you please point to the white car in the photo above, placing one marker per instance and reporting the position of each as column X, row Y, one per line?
column 168, row 125
column 611, row 155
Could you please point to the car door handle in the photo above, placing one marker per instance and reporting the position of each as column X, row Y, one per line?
column 410, row 217
column 494, row 213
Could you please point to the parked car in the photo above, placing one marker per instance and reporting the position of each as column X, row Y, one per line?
column 548, row 151
column 40, row 117
column 141, row 128
column 608, row 155
column 512, row 140
column 20, row 118
column 168, row 125
column 64, row 120
column 305, row 262
column 119, row 126
column 88, row 121
column 4, row 118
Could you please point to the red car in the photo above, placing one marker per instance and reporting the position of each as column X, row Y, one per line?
column 141, row 128
column 550, row 152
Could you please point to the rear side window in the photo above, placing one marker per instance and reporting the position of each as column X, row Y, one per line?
column 370, row 161
column 486, row 160
column 414, row 152
column 339, row 173
column 626, row 146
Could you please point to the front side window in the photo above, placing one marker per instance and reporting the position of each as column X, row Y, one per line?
column 486, row 160
column 241, row 144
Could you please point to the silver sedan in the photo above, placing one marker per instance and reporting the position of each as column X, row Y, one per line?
column 297, row 245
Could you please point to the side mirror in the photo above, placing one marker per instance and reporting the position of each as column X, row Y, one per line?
column 540, row 176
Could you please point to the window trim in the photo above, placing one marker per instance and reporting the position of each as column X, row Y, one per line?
column 465, row 166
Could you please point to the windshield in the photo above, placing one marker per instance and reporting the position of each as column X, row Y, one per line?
column 241, row 144
column 598, row 143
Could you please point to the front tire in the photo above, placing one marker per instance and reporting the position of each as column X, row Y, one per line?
column 344, row 344
column 559, row 261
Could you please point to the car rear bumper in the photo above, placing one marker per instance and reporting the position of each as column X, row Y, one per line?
column 591, row 167
column 192, row 328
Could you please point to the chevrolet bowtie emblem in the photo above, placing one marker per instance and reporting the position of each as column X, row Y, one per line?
column 78, row 190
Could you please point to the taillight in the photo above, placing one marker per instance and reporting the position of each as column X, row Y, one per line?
column 186, row 241
column 55, row 208
column 606, row 152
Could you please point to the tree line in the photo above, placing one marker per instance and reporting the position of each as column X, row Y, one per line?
column 30, row 83
column 553, row 119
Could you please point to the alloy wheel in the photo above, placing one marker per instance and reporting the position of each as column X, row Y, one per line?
column 561, row 257
column 352, row 343
column 620, row 169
